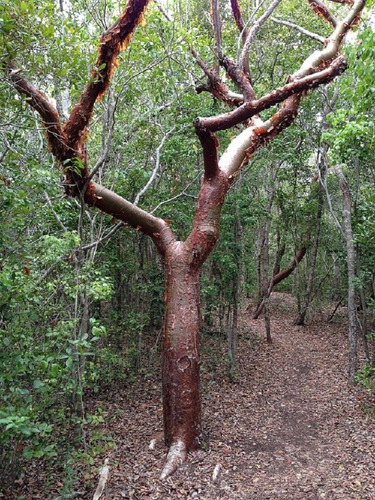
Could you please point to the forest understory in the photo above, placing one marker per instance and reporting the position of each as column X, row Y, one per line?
column 288, row 428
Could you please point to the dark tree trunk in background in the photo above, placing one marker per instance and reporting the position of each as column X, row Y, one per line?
column 311, row 271
column 351, row 258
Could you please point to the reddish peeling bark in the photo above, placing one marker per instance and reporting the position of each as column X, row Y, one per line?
column 181, row 355
column 323, row 12
column 215, row 85
column 49, row 115
column 112, row 42
column 181, row 339
column 236, row 11
column 239, row 77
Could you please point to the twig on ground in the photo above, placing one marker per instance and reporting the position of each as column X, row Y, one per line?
column 102, row 480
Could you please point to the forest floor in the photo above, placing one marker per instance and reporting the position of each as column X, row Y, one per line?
column 289, row 428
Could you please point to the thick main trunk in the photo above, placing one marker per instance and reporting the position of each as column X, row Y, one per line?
column 181, row 356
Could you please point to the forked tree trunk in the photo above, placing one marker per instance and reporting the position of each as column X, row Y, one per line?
column 181, row 356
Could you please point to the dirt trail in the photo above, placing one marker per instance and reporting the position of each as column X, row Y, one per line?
column 289, row 429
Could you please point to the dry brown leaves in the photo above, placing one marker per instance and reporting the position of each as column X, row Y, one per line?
column 290, row 428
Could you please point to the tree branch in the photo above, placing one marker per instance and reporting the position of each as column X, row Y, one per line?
column 109, row 202
column 236, row 11
column 244, row 57
column 302, row 30
column 239, row 77
column 48, row 113
column 244, row 145
column 59, row 221
column 334, row 41
column 215, row 12
column 322, row 11
column 252, row 108
column 216, row 86
column 179, row 195
column 156, row 168
column 112, row 42
column 209, row 145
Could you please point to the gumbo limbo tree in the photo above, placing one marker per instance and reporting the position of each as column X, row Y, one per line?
column 183, row 259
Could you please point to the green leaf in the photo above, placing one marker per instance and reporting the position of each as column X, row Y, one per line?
column 37, row 384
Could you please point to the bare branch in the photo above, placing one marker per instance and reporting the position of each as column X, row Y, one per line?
column 239, row 77
column 215, row 12
column 177, row 196
column 236, row 11
column 59, row 221
column 109, row 202
column 334, row 41
column 302, row 30
column 216, row 86
column 343, row 2
column 244, row 57
column 163, row 11
column 110, row 233
column 156, row 168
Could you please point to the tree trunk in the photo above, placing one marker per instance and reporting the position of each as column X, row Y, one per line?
column 362, row 317
column 346, row 213
column 181, row 357
column 265, row 266
column 310, row 281
column 236, row 293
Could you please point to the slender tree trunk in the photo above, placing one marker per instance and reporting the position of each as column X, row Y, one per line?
column 280, row 250
column 265, row 283
column 233, row 330
column 233, row 333
column 353, row 357
column 310, row 280
column 362, row 319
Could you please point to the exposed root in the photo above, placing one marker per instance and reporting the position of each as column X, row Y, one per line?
column 176, row 456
